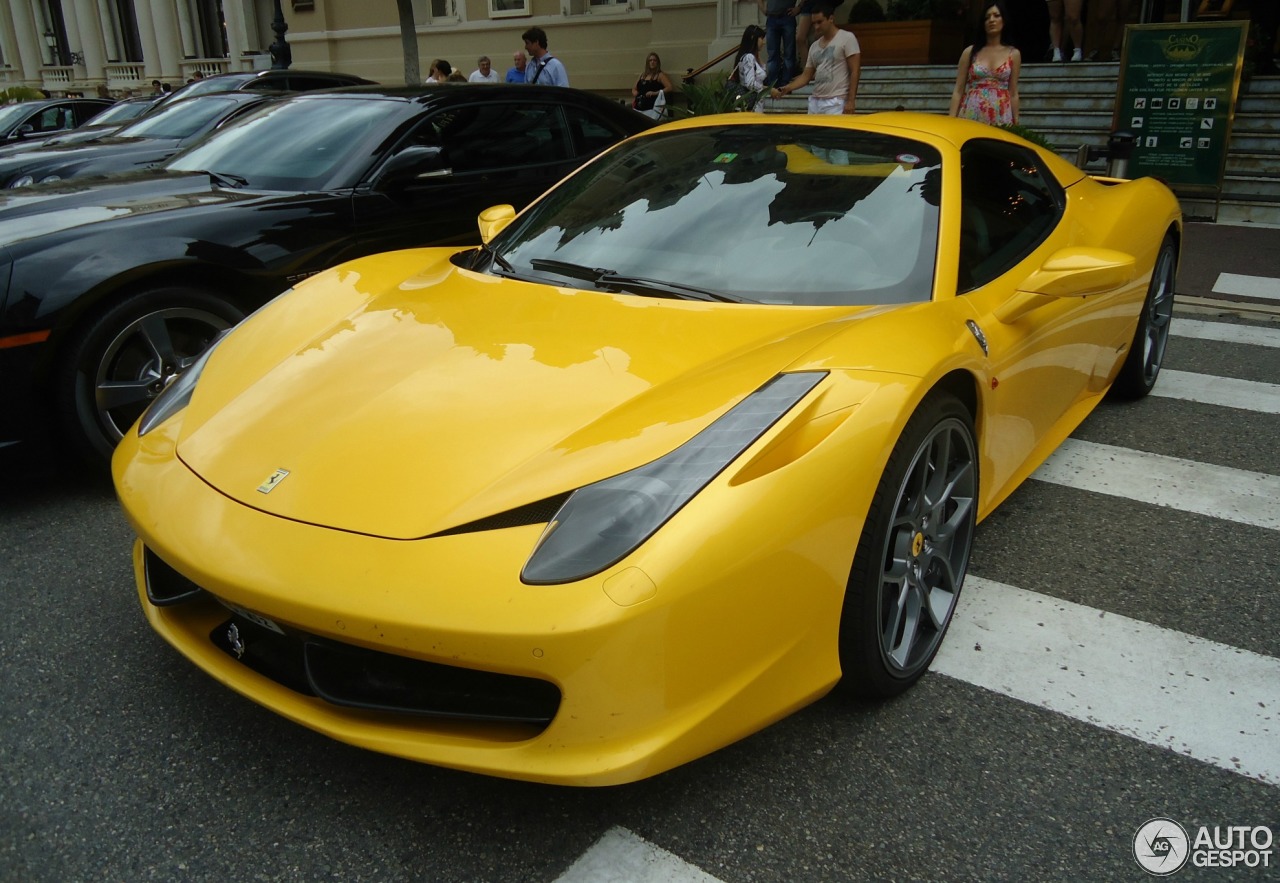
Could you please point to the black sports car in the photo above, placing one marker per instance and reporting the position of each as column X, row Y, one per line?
column 110, row 286
column 145, row 142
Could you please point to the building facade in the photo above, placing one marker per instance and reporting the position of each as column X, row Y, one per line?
column 76, row 46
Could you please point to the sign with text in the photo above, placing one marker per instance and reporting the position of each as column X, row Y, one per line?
column 1177, row 95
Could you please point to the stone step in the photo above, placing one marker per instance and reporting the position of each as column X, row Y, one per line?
column 1231, row 211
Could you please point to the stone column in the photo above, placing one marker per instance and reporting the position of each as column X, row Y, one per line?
column 167, row 38
column 147, row 36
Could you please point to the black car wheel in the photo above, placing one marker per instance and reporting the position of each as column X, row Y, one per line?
column 123, row 359
column 1141, row 367
column 913, row 553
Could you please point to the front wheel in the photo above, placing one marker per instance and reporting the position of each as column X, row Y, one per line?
column 126, row 356
column 913, row 552
column 1141, row 366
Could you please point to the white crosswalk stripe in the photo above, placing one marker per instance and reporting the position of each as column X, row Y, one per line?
column 1248, row 286
column 1121, row 674
column 1217, row 491
column 1221, row 331
column 1229, row 392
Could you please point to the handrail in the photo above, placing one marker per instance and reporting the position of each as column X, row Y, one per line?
column 691, row 73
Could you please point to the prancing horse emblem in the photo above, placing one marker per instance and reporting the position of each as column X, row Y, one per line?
column 272, row 480
column 233, row 638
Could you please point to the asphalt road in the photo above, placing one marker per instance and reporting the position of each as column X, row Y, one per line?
column 120, row 761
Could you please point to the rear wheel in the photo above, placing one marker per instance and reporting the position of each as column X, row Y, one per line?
column 123, row 359
column 913, row 553
column 1141, row 366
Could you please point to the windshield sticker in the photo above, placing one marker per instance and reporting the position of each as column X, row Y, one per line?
column 908, row 159
column 725, row 158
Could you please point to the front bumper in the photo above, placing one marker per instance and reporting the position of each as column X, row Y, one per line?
column 700, row 638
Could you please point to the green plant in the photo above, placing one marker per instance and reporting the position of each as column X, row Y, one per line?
column 18, row 93
column 715, row 95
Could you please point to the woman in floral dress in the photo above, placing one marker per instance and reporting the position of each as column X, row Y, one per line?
column 987, row 76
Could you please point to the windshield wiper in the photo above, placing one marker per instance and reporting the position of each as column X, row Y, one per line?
column 226, row 179
column 613, row 280
column 496, row 258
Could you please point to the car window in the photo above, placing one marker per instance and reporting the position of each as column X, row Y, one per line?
column 591, row 134
column 484, row 137
column 1008, row 205
column 181, row 119
column 54, row 119
column 119, row 113
column 294, row 145
column 813, row 215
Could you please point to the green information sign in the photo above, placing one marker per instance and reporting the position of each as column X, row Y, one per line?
column 1177, row 95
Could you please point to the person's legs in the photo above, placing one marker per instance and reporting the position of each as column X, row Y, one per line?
column 1071, row 14
column 802, row 40
column 789, row 47
column 1055, row 28
column 772, row 50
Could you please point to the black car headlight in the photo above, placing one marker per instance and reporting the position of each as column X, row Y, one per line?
column 174, row 397
column 604, row 522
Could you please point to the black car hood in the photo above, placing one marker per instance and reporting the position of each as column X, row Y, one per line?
column 62, row 156
column 30, row 212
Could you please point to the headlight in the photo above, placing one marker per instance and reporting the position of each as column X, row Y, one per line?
column 174, row 397
column 23, row 181
column 602, row 523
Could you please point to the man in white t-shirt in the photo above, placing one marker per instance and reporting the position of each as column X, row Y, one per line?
column 833, row 67
column 485, row 72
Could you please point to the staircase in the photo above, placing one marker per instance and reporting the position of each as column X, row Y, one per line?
column 1071, row 104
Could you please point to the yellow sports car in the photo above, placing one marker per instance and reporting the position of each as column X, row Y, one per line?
column 699, row 434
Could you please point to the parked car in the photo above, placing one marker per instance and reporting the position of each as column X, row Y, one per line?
column 116, row 284
column 142, row 143
column 265, row 81
column 109, row 121
column 33, row 120
column 704, row 431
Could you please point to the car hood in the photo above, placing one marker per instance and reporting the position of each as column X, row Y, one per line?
column 461, row 396
column 30, row 212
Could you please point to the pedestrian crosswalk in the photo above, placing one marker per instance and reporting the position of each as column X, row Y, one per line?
column 1205, row 700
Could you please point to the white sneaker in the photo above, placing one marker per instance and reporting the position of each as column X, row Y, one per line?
column 1075, row 55
column 1057, row 54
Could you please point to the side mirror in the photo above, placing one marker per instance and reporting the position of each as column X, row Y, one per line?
column 1070, row 272
column 25, row 130
column 413, row 164
column 494, row 220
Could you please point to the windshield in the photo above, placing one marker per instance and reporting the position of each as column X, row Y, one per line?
column 119, row 113
column 12, row 114
column 182, row 119
column 770, row 213
column 294, row 145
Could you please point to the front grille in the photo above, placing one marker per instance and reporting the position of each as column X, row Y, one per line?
column 356, row 677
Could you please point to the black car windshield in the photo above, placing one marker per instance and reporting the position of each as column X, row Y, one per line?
column 120, row 112
column 13, row 114
column 294, row 145
column 775, row 214
column 182, row 119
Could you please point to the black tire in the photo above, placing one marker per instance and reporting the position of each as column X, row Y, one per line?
column 913, row 553
column 1141, row 366
column 122, row 358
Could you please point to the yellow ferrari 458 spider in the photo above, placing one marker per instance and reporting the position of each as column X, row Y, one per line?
column 699, row 434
